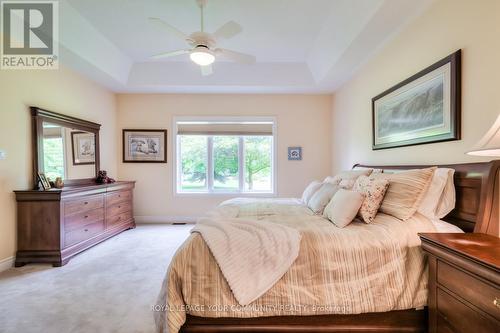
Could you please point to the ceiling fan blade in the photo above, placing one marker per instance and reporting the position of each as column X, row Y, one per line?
column 169, row 27
column 206, row 70
column 228, row 30
column 169, row 54
column 236, row 56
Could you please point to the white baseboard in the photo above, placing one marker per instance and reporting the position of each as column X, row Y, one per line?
column 165, row 219
column 6, row 263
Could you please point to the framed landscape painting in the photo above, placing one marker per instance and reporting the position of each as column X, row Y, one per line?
column 424, row 108
column 144, row 146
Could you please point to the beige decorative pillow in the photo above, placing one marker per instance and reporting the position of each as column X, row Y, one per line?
column 373, row 190
column 321, row 198
column 310, row 190
column 347, row 176
column 405, row 192
column 332, row 180
column 343, row 207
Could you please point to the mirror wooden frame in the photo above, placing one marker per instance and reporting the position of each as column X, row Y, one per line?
column 38, row 116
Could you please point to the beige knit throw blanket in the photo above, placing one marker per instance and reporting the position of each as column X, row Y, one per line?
column 252, row 255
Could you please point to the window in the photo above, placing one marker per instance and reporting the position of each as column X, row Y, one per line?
column 225, row 156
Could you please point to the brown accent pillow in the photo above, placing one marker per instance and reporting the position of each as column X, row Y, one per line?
column 374, row 190
column 406, row 190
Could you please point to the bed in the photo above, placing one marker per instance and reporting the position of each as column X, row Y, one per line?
column 194, row 282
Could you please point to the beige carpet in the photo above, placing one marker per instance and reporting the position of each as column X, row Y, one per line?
column 109, row 288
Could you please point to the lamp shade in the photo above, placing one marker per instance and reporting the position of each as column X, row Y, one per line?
column 489, row 145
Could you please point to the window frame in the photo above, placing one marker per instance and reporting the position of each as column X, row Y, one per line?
column 241, row 172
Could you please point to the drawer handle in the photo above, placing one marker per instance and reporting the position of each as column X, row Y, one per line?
column 119, row 218
column 496, row 302
column 85, row 203
column 119, row 206
column 86, row 216
column 86, row 230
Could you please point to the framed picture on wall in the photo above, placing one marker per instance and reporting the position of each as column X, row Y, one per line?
column 424, row 108
column 83, row 144
column 144, row 146
column 294, row 153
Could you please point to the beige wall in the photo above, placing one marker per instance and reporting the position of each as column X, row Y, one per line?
column 474, row 27
column 303, row 120
column 60, row 91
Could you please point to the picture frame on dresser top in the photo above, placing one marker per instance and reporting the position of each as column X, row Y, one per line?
column 424, row 108
column 464, row 282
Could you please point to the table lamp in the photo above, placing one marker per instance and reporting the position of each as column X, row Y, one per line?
column 489, row 145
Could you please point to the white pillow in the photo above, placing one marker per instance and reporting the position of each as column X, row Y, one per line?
column 332, row 180
column 310, row 190
column 343, row 207
column 347, row 176
column 445, row 227
column 433, row 198
column 321, row 198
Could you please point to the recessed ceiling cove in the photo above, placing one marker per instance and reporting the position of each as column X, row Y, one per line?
column 260, row 46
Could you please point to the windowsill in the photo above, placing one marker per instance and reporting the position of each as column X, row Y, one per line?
column 226, row 194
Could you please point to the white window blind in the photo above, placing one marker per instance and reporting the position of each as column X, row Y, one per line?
column 219, row 128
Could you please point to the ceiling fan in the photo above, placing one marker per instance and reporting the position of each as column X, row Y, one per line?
column 203, row 49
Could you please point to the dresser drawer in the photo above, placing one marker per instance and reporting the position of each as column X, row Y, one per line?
column 462, row 318
column 119, row 196
column 83, row 233
column 477, row 292
column 118, row 209
column 83, row 204
column 79, row 220
column 443, row 326
column 118, row 219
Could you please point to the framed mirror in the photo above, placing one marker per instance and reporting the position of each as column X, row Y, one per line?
column 65, row 147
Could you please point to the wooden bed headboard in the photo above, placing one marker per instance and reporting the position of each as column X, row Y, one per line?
column 477, row 187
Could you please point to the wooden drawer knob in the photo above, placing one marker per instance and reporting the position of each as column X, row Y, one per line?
column 86, row 230
column 496, row 302
column 86, row 203
column 86, row 216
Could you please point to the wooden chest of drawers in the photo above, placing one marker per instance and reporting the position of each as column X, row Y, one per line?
column 55, row 225
column 464, row 282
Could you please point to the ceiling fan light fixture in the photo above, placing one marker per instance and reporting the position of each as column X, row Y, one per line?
column 202, row 56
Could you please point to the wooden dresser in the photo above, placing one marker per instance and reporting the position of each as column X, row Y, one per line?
column 55, row 225
column 464, row 282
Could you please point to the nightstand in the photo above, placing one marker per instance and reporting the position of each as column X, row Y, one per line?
column 464, row 282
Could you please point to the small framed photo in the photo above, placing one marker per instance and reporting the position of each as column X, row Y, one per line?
column 83, row 144
column 294, row 153
column 44, row 181
column 144, row 146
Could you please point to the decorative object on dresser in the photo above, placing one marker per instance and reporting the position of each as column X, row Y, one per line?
column 424, row 108
column 43, row 182
column 102, row 178
column 464, row 282
column 56, row 224
column 144, row 146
